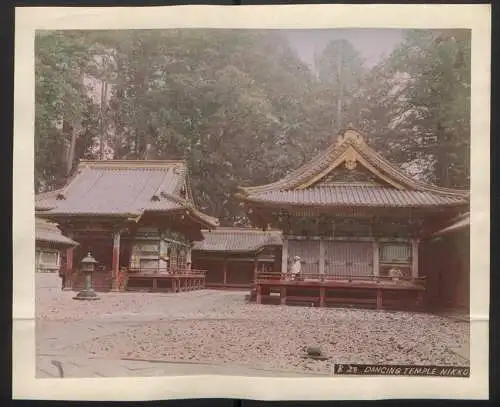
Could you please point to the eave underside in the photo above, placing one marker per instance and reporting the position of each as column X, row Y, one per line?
column 104, row 224
column 378, row 220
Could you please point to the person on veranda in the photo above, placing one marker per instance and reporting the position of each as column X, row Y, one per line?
column 296, row 268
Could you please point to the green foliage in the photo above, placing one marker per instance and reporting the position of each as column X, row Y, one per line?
column 419, row 100
column 242, row 109
column 61, row 100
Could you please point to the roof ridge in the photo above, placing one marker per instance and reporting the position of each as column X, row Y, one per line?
column 299, row 173
column 130, row 164
column 394, row 172
column 242, row 230
column 133, row 161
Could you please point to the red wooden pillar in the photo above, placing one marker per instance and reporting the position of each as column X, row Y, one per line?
column 258, row 298
column 189, row 257
column 68, row 269
column 322, row 292
column 283, row 296
column 225, row 272
column 255, row 270
column 379, row 298
column 420, row 300
column 174, row 285
column 115, row 265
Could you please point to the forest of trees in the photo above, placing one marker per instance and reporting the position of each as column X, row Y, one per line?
column 242, row 108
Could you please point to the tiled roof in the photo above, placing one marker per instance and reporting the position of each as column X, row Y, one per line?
column 355, row 196
column 49, row 232
column 395, row 188
column 123, row 188
column 459, row 223
column 238, row 240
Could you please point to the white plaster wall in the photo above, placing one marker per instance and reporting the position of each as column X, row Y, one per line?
column 48, row 281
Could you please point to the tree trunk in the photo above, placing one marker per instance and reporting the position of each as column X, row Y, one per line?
column 104, row 98
column 340, row 97
column 70, row 156
column 442, row 162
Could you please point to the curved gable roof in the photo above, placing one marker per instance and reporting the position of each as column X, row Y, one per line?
column 49, row 232
column 237, row 240
column 301, row 185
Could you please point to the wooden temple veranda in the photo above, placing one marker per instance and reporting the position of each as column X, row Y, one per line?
column 137, row 218
column 357, row 223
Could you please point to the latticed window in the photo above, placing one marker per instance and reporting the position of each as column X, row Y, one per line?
column 173, row 258
column 181, row 262
column 395, row 253
column 48, row 258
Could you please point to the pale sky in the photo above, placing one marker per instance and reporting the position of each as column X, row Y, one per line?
column 373, row 44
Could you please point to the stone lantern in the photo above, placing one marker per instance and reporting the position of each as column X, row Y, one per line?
column 88, row 267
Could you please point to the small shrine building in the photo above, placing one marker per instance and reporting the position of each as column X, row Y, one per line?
column 50, row 247
column 134, row 215
column 232, row 256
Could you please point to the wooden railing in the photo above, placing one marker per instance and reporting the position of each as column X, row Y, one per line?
column 177, row 280
column 157, row 271
column 323, row 289
column 263, row 276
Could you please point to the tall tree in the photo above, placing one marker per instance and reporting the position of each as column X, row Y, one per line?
column 241, row 108
column 340, row 73
column 61, row 102
column 421, row 96
column 214, row 97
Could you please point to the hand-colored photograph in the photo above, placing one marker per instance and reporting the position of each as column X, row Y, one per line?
column 251, row 202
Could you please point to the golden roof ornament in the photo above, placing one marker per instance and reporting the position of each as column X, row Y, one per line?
column 350, row 164
column 350, row 136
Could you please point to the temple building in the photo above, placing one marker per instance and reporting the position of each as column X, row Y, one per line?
column 232, row 256
column 50, row 247
column 350, row 214
column 138, row 216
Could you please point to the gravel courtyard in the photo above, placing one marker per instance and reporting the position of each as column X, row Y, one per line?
column 218, row 327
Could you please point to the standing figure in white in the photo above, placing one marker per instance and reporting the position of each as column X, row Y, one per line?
column 296, row 268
